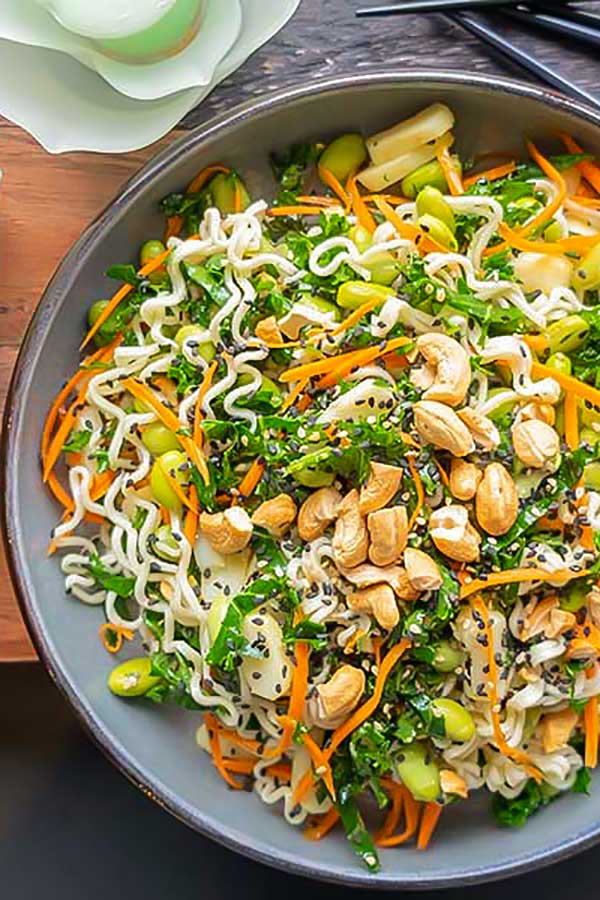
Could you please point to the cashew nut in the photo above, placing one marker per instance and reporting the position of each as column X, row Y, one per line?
column 366, row 575
column 337, row 698
column 318, row 512
column 388, row 529
column 497, row 501
column 484, row 432
column 535, row 409
column 453, row 534
column 439, row 425
column 464, row 479
column 267, row 330
column 557, row 727
column 423, row 572
column 453, row 783
column 378, row 601
column 452, row 368
column 350, row 538
column 228, row 531
column 545, row 617
column 276, row 515
column 381, row 486
column 536, row 443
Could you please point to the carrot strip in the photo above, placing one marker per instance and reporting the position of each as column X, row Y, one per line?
column 331, row 181
column 240, row 766
column 411, row 809
column 323, row 826
column 492, row 693
column 536, row 342
column 356, row 316
column 448, row 167
column 117, row 632
column 420, row 492
column 198, row 182
column 320, row 761
column 215, row 749
column 101, row 484
column 317, row 200
column 202, row 391
column 442, row 473
column 62, row 433
column 305, row 210
column 173, row 227
column 251, row 478
column 190, row 526
column 570, row 384
column 571, row 409
column 407, row 230
column 588, row 168
column 393, row 816
column 59, row 492
column 359, row 207
column 170, row 420
column 429, row 820
column 112, row 304
column 593, row 202
column 297, row 698
column 237, row 197
column 493, row 174
column 590, row 718
column 513, row 576
column 293, row 395
column 281, row 770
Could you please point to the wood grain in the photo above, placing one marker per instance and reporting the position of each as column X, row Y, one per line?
column 45, row 201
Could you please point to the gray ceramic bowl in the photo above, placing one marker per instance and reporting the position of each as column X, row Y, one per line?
column 155, row 747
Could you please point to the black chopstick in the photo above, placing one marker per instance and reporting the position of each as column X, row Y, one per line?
column 585, row 34
column 489, row 36
column 412, row 6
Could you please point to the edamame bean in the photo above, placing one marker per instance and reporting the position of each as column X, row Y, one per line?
column 165, row 544
column 447, row 657
column 172, row 463
column 589, row 436
column 566, row 334
column 344, row 156
column 527, row 481
column 586, row 276
column 322, row 305
column 560, row 363
column 418, row 773
column 361, row 237
column 503, row 408
column 384, row 267
column 205, row 349
column 458, row 722
column 150, row 250
column 431, row 173
column 553, row 232
column 430, row 201
column 157, row 438
column 438, row 230
column 108, row 329
column 352, row 294
column 591, row 476
column 223, row 191
column 573, row 598
column 133, row 678
column 314, row 478
column 266, row 384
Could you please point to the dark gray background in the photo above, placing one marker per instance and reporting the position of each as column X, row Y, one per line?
column 70, row 825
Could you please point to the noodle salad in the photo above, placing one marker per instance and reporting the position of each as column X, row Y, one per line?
column 333, row 461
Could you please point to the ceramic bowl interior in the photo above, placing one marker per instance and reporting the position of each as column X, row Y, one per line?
column 155, row 746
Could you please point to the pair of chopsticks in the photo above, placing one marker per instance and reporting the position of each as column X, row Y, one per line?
column 556, row 17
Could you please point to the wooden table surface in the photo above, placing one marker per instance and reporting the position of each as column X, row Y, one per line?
column 45, row 201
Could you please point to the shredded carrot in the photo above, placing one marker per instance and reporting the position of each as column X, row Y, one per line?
column 492, row 694
column 419, row 489
column 317, row 200
column 239, row 765
column 571, row 385
column 173, row 227
column 359, row 207
column 186, row 500
column 356, row 316
column 513, row 576
column 215, row 748
column 323, row 826
column 298, row 210
column 123, row 291
column 175, row 223
column 492, row 174
column 281, row 770
column 202, row 391
column 112, row 636
column 593, row 202
column 536, row 342
column 63, row 431
column 512, row 238
column 590, row 718
column 237, row 196
column 377, row 642
column 251, row 479
column 571, row 409
column 190, row 526
column 332, row 182
column 393, row 816
column 170, row 420
column 59, row 492
column 293, row 395
column 320, row 761
column 448, row 167
column 407, row 230
column 588, row 168
column 297, row 697
column 101, row 484
column 443, row 474
column 411, row 808
column 356, row 359
column 429, row 820
column 249, row 744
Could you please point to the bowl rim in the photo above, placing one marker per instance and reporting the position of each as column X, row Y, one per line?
column 180, row 149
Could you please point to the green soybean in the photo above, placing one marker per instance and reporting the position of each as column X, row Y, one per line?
column 429, row 174
column 458, row 721
column 352, row 294
column 158, row 439
column 150, row 250
column 223, row 191
column 170, row 548
column 438, row 230
column 586, row 276
column 205, row 349
column 361, row 237
column 344, row 156
column 314, row 478
column 503, row 408
column 566, row 334
column 589, row 436
column 447, row 657
column 560, row 363
column 384, row 267
column 323, row 306
column 553, row 232
column 418, row 772
column 574, row 597
column 171, row 462
column 266, row 384
column 133, row 678
column 591, row 476
column 430, row 201
column 108, row 329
